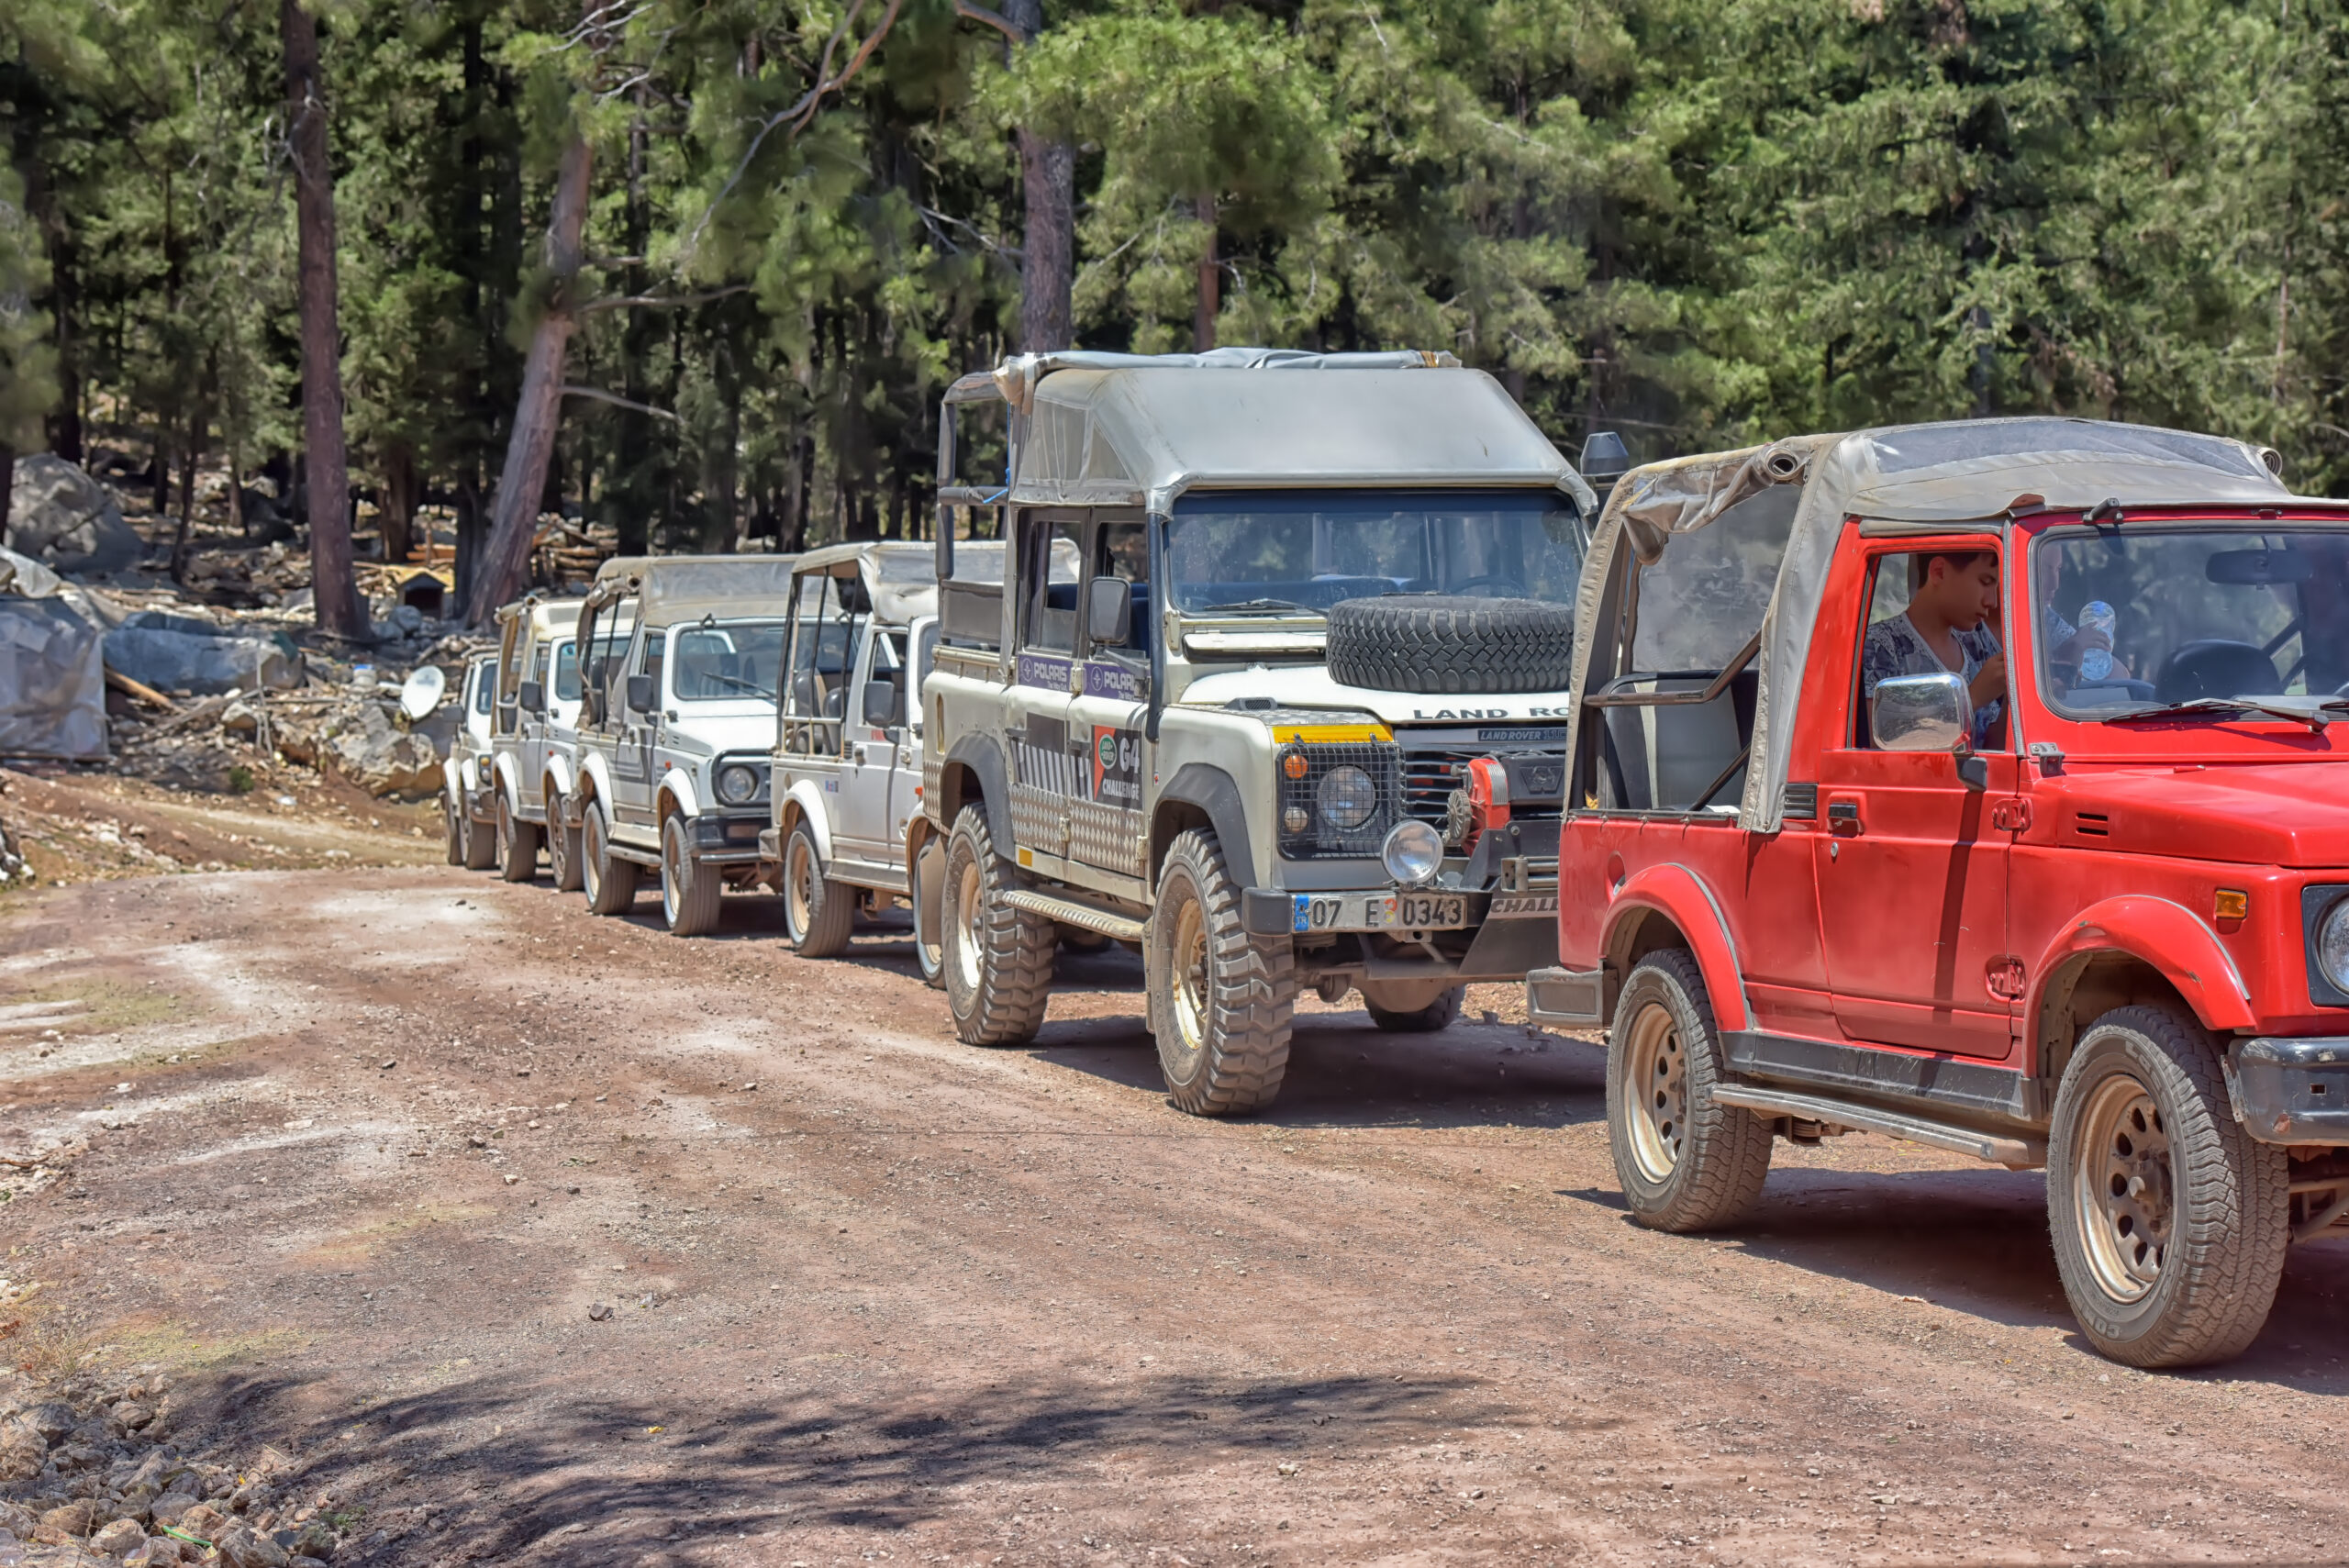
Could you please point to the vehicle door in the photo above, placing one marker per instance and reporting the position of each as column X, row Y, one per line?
column 870, row 761
column 531, row 728
column 633, row 774
column 1106, row 712
column 818, row 661
column 1046, row 759
column 906, row 779
column 606, row 635
column 1912, row 866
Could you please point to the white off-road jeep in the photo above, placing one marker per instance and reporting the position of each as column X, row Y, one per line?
column 1273, row 690
column 678, row 664
column 466, row 806
column 848, row 831
column 532, row 735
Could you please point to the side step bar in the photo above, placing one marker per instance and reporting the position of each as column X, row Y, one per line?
column 2015, row 1153
column 1069, row 912
column 649, row 857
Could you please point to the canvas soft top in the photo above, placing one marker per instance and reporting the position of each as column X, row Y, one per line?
column 671, row 588
column 1139, row 430
column 1900, row 480
column 547, row 616
column 903, row 573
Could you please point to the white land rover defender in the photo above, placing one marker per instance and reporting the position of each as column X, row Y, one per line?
column 678, row 662
column 1295, row 716
column 848, row 832
column 532, row 733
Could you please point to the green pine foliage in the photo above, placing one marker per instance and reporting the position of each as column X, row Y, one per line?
column 1695, row 221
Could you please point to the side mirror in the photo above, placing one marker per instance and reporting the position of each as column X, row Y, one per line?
column 1922, row 713
column 1109, row 612
column 640, row 694
column 532, row 696
column 884, row 703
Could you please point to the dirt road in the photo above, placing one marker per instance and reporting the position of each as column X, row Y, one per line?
column 546, row 1239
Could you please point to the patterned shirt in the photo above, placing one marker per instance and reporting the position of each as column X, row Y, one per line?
column 1896, row 646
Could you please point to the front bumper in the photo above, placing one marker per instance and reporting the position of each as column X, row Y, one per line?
column 2291, row 1090
column 1512, row 926
column 721, row 840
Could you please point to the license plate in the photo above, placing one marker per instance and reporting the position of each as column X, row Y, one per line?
column 1395, row 911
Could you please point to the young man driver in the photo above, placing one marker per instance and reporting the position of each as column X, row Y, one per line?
column 1948, row 627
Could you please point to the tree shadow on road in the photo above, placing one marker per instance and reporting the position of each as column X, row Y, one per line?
column 520, row 1469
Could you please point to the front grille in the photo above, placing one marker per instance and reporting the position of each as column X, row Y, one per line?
column 1430, row 777
column 1318, row 838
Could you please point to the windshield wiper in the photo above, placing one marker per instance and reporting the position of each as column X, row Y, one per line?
column 1254, row 604
column 2316, row 715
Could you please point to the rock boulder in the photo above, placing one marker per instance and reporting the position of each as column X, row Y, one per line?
column 65, row 519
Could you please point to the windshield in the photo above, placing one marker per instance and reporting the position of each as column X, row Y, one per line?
column 732, row 661
column 2135, row 619
column 1275, row 552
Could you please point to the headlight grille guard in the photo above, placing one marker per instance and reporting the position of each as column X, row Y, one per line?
column 2317, row 901
column 758, row 763
column 1382, row 760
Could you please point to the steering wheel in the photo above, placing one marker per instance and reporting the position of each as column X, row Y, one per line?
column 1490, row 577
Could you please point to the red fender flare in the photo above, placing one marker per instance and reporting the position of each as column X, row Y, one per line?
column 1675, row 893
column 2171, row 937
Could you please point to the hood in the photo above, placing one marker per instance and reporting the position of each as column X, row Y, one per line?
column 1310, row 685
column 716, row 734
column 2293, row 814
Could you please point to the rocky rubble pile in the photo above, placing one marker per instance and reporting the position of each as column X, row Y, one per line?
column 89, row 1476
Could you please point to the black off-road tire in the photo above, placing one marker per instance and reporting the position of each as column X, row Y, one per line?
column 1436, row 1017
column 689, row 890
column 608, row 881
column 1450, row 645
column 1685, row 1162
column 818, row 913
column 998, row 959
column 452, row 824
column 563, row 845
column 477, row 841
column 518, row 843
column 2144, row 1092
column 1220, row 999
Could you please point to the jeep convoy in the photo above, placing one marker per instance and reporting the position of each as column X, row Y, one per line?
column 1969, row 783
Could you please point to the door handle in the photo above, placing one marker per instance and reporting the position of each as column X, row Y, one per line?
column 1843, row 818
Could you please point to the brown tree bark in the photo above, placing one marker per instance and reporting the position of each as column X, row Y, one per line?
column 397, row 519
column 325, row 461
column 506, row 558
column 1210, row 281
column 1048, row 261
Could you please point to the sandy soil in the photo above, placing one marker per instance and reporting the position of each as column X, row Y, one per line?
column 372, row 1151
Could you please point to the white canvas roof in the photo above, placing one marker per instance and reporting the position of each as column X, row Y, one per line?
column 1130, row 429
column 1910, row 479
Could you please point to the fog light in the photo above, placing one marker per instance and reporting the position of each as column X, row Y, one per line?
column 1413, row 851
column 1297, row 819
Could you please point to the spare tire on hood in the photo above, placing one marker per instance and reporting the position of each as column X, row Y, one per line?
column 1452, row 645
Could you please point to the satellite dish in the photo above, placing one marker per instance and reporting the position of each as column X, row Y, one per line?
column 421, row 692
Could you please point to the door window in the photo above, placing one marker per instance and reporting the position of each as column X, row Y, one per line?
column 1933, row 612
column 1121, row 550
column 825, row 613
column 1049, row 586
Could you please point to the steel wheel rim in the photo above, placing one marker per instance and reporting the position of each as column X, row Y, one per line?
column 2123, row 1188
column 799, row 895
column 969, row 911
column 669, row 872
column 1655, row 1086
column 1186, row 958
column 928, row 944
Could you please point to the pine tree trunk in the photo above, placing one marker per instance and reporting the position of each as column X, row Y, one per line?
column 505, row 558
column 1211, row 281
column 1048, row 187
column 325, row 463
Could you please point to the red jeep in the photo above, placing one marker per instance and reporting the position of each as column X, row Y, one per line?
column 1979, row 784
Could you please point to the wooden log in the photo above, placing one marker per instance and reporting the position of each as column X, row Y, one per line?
column 139, row 692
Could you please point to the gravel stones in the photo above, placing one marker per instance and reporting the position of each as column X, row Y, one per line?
column 241, row 1548
column 119, row 1540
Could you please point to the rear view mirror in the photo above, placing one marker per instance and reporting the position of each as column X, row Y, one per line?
column 532, row 696
column 2258, row 568
column 640, row 694
column 1922, row 713
column 1109, row 612
column 884, row 705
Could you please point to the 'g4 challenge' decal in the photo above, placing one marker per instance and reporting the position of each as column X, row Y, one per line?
column 1116, row 766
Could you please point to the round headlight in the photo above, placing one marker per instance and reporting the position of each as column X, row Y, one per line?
column 1413, row 851
column 738, row 783
column 2332, row 945
column 1347, row 797
column 1294, row 820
